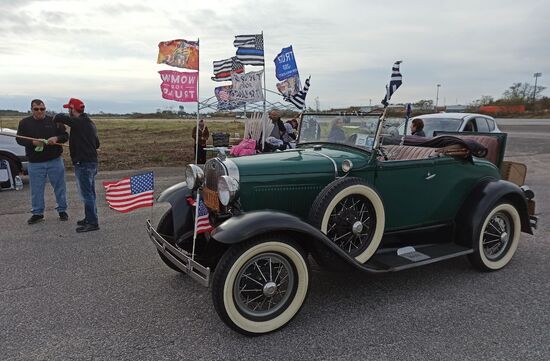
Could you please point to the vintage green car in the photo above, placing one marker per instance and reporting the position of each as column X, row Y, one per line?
column 351, row 196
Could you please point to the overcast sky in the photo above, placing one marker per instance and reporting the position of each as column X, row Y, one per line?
column 104, row 52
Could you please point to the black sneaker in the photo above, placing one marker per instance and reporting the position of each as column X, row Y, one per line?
column 35, row 218
column 81, row 222
column 87, row 228
column 63, row 216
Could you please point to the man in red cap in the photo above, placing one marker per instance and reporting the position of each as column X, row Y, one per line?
column 83, row 144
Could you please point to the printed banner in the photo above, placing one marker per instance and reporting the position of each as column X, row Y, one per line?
column 285, row 64
column 290, row 86
column 179, row 53
column 179, row 86
column 247, row 87
column 225, row 101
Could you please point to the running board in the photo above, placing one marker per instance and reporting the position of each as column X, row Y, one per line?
column 397, row 259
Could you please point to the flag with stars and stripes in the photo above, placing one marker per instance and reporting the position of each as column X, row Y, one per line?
column 203, row 223
column 299, row 99
column 250, row 49
column 395, row 82
column 130, row 193
column 224, row 68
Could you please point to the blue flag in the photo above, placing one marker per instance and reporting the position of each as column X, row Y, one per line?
column 285, row 64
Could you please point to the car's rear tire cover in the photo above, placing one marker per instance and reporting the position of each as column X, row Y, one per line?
column 337, row 191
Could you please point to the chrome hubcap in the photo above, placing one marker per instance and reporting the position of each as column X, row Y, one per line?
column 269, row 289
column 357, row 228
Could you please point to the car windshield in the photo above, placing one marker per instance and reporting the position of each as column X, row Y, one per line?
column 354, row 130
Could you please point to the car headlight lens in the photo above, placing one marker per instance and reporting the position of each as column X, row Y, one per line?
column 227, row 189
column 194, row 176
column 347, row 165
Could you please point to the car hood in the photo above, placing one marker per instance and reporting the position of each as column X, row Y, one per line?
column 299, row 161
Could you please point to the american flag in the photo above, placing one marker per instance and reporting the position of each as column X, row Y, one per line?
column 395, row 82
column 250, row 49
column 203, row 223
column 299, row 99
column 224, row 68
column 130, row 193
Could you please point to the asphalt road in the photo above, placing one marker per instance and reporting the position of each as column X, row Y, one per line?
column 106, row 295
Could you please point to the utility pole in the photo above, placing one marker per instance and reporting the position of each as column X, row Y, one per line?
column 536, row 75
column 437, row 96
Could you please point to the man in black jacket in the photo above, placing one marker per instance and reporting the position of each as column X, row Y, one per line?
column 83, row 145
column 45, row 159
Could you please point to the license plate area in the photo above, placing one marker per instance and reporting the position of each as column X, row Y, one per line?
column 211, row 199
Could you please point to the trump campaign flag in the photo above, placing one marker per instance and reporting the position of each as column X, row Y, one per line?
column 130, row 193
column 179, row 86
column 285, row 64
column 179, row 53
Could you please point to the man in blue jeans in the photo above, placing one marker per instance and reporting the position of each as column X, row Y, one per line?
column 45, row 159
column 83, row 144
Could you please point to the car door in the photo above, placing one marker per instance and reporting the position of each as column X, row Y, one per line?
column 406, row 191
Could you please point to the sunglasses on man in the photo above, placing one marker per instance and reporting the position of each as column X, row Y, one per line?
column 39, row 109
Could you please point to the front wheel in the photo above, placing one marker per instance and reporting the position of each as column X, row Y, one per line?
column 261, row 284
column 497, row 239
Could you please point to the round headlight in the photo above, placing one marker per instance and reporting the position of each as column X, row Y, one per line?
column 194, row 176
column 227, row 189
column 347, row 165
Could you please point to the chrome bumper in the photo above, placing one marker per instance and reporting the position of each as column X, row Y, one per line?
column 180, row 258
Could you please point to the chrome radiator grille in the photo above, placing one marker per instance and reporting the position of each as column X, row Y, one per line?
column 213, row 169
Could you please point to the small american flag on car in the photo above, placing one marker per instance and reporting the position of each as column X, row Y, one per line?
column 203, row 223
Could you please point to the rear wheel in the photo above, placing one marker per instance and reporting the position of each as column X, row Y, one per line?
column 497, row 239
column 261, row 284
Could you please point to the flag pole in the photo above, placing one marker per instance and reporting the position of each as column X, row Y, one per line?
column 265, row 85
column 198, row 107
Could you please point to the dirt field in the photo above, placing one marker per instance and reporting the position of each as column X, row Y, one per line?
column 142, row 143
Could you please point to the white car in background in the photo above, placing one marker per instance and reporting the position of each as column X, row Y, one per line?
column 456, row 122
column 13, row 152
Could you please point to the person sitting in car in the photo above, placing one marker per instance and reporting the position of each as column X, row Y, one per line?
column 417, row 127
column 336, row 134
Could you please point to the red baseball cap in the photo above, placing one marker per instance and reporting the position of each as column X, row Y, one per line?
column 75, row 104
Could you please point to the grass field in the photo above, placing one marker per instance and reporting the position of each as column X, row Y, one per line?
column 135, row 144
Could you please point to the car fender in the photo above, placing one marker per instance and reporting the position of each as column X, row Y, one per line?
column 484, row 196
column 252, row 224
column 182, row 216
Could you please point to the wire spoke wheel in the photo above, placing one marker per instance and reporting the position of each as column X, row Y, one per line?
column 264, row 285
column 496, row 236
column 351, row 223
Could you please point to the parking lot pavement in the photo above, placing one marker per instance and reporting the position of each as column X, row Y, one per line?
column 106, row 295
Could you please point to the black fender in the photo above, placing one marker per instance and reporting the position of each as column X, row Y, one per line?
column 252, row 224
column 182, row 215
column 484, row 196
